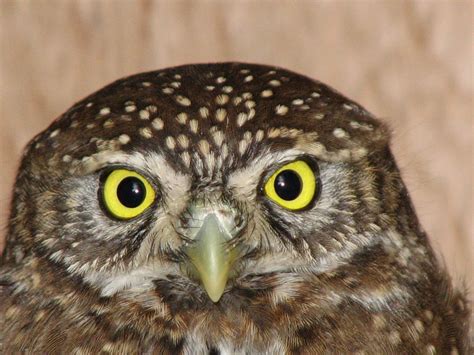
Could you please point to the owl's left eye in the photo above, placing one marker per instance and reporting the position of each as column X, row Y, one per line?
column 294, row 186
column 126, row 194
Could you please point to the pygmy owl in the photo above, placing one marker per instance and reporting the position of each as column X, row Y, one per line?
column 220, row 208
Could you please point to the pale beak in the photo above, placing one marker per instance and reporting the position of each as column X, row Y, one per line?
column 212, row 256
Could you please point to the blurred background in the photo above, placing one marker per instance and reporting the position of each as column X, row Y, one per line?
column 409, row 63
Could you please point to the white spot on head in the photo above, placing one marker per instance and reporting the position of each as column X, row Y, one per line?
column 274, row 83
column 146, row 84
column 204, row 112
column 236, row 100
column 319, row 116
column 151, row 108
column 339, row 133
column 243, row 144
column 170, row 142
column 266, row 93
column 248, row 78
column 90, row 125
column 315, row 94
column 204, row 146
column 193, row 126
column 248, row 136
column 177, row 76
column 347, row 107
column 241, row 119
column 104, row 111
column 145, row 132
column 244, row 71
column 54, row 133
column 281, row 110
column 210, row 87
column 144, row 114
column 247, row 95
column 130, row 108
column 222, row 99
column 251, row 113
column 221, row 114
column 183, row 141
column 250, row 104
column 394, row 337
column 157, row 124
column 167, row 91
column 430, row 349
column 67, row 158
column 124, row 139
column 175, row 84
column 259, row 135
column 218, row 137
column 227, row 89
column 186, row 158
column 182, row 100
column 89, row 104
column 182, row 118
column 221, row 80
column 297, row 102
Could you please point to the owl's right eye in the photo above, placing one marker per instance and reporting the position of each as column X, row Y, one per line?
column 126, row 194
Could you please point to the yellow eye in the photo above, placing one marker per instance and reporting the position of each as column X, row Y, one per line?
column 127, row 194
column 293, row 186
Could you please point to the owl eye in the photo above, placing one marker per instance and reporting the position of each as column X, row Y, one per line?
column 294, row 186
column 126, row 194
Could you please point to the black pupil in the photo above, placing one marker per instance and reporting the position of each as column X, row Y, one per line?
column 288, row 185
column 131, row 192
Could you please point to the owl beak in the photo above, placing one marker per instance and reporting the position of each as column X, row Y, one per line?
column 212, row 256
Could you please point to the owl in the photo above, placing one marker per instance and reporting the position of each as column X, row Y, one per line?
column 222, row 208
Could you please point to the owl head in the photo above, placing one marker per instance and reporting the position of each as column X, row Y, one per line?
column 204, row 181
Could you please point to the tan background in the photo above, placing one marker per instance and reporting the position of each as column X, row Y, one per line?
column 410, row 63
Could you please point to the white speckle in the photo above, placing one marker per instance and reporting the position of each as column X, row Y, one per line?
column 315, row 94
column 183, row 141
column 177, row 76
column 430, row 349
column 204, row 112
column 175, row 84
column 170, row 142
column 339, row 133
column 186, row 158
column 347, row 107
column 273, row 132
column 89, row 104
column 204, row 146
column 297, row 102
column 251, row 113
column 193, row 125
column 274, row 83
column 221, row 80
column 54, row 133
column 259, row 135
column 266, row 93
column 419, row 326
column 221, row 114
column 248, row 78
column 146, row 84
column 151, row 108
column 428, row 315
column 248, row 136
column 218, row 137
column 130, row 108
column 394, row 337
column 67, row 158
column 250, row 104
column 123, row 139
column 247, row 95
column 227, row 89
column 167, row 91
column 126, row 118
column 90, row 125
column 182, row 118
column 104, row 111
column 281, row 110
column 243, row 144
column 210, row 87
column 304, row 107
column 271, row 72
column 157, row 123
column 146, row 132
column 244, row 71
column 319, row 116
column 182, row 100
column 241, row 119
column 74, row 124
column 222, row 99
column 144, row 114
column 108, row 124
column 236, row 100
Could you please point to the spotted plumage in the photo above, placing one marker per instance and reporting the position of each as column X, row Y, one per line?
column 349, row 271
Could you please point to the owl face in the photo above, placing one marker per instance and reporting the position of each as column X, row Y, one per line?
column 201, row 181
